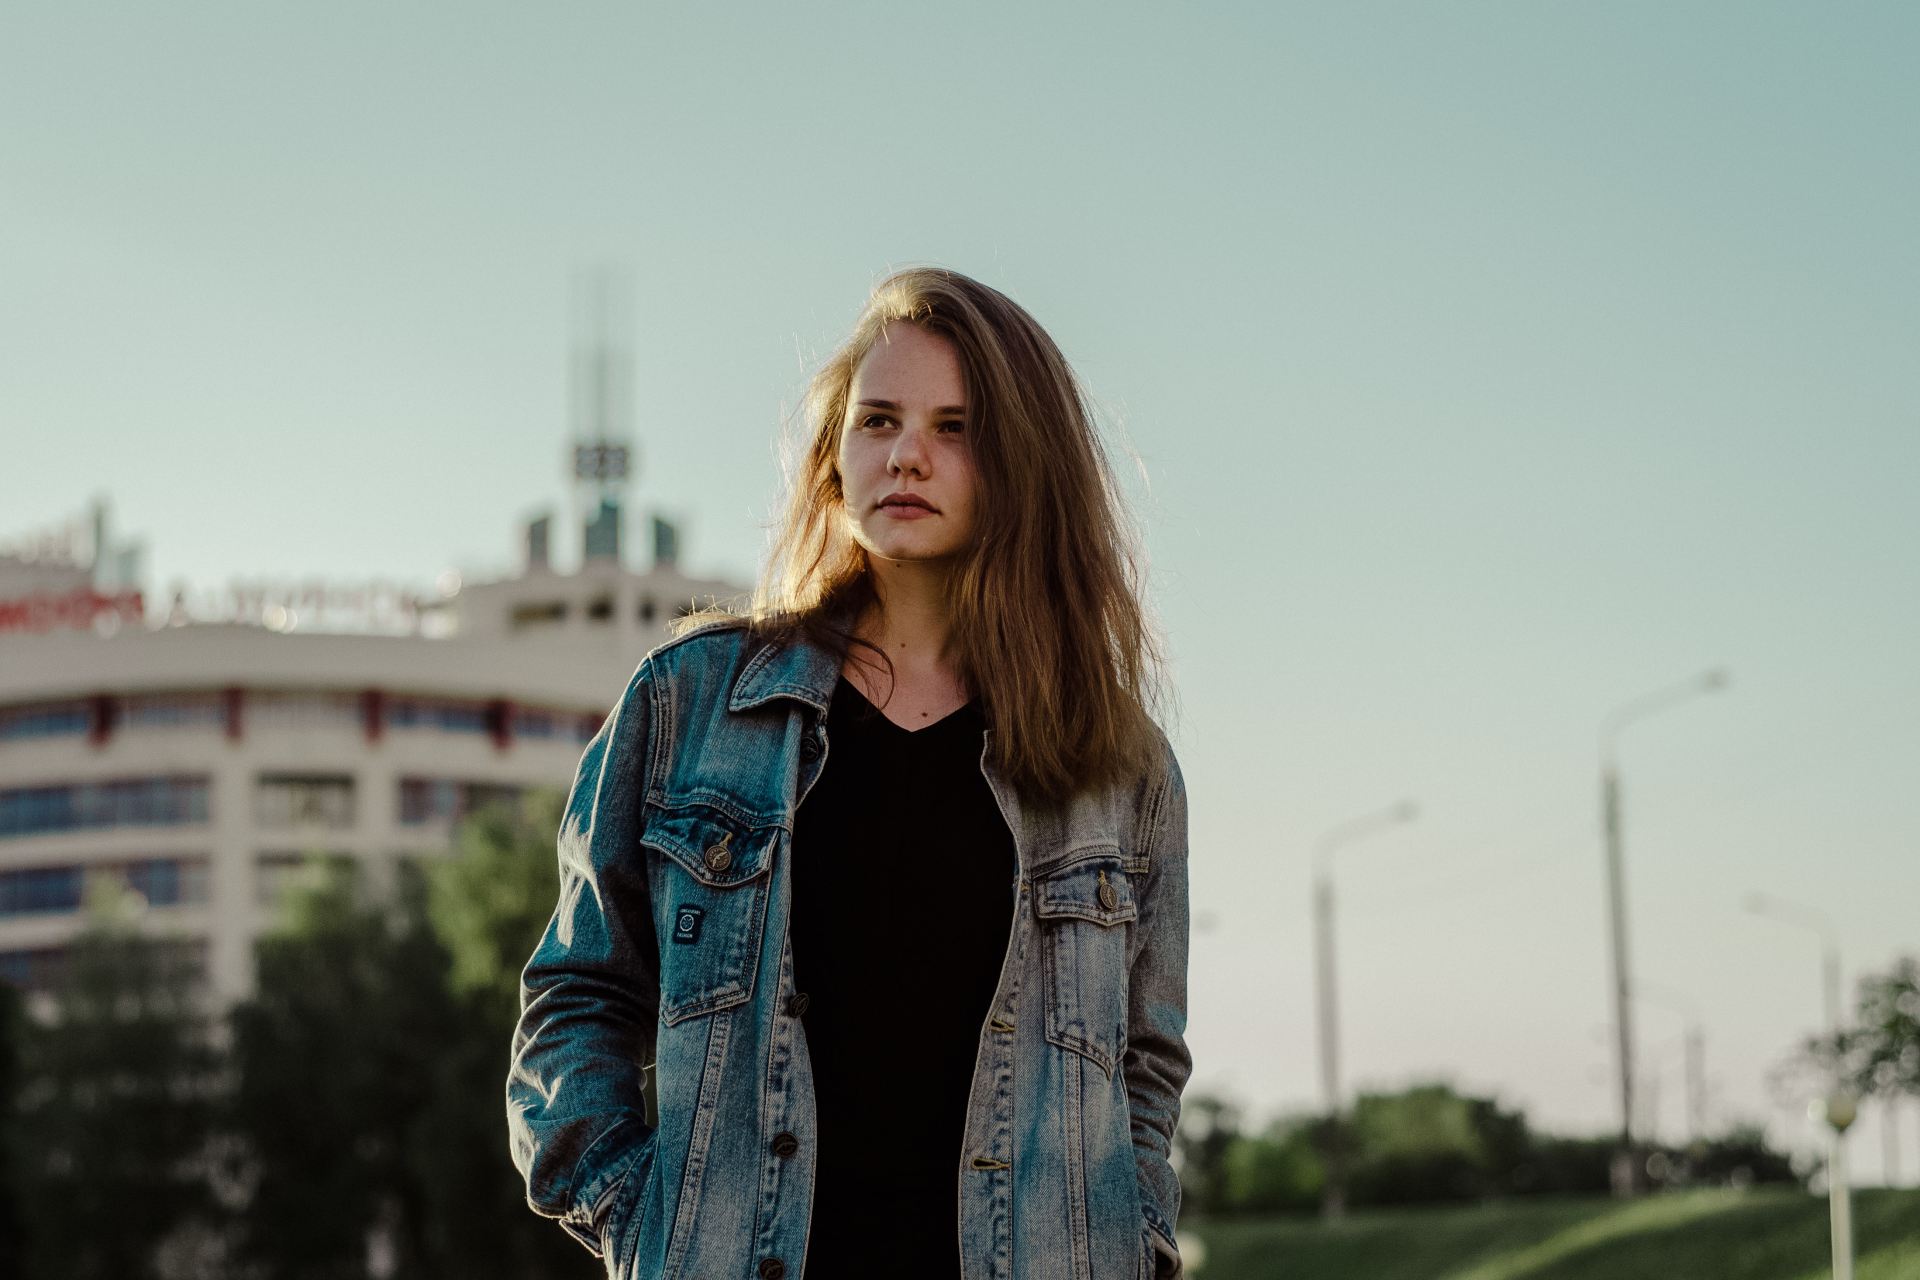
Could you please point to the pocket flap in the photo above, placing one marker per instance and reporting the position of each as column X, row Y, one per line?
column 710, row 845
column 1095, row 889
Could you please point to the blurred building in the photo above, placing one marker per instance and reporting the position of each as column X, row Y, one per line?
column 195, row 758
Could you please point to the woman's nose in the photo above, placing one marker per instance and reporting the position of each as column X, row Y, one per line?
column 909, row 452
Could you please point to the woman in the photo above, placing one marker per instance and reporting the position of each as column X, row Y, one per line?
column 887, row 879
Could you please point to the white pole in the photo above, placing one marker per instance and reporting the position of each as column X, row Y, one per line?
column 1838, row 1109
column 1840, row 1207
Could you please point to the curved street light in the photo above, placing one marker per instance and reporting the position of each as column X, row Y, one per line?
column 1626, row 1172
column 1333, row 1200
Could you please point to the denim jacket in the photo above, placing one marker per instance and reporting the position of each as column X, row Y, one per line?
column 668, row 950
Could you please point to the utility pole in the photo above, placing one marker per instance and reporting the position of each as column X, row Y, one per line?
column 1333, row 1199
column 1626, row 1163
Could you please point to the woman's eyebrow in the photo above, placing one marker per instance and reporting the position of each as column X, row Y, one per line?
column 947, row 410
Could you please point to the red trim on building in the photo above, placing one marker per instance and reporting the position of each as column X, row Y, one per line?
column 236, row 703
column 373, row 712
column 103, row 711
column 500, row 722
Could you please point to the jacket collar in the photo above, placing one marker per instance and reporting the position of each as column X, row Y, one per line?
column 797, row 668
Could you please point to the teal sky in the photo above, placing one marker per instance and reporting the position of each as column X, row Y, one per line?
column 1487, row 366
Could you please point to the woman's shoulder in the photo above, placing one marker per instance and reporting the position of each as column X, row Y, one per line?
column 706, row 643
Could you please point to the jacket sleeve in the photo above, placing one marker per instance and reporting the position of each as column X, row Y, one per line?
column 589, row 996
column 1157, row 1063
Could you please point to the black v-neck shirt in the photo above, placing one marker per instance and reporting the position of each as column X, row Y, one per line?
column 903, row 892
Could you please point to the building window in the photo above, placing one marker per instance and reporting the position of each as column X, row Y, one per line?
column 304, row 711
column 44, row 720
column 93, row 806
column 283, row 800
column 436, row 800
column 35, row 891
column 57, row 890
column 165, row 882
column 447, row 715
column 531, row 722
column 174, row 711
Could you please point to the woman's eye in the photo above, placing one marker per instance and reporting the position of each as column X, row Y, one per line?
column 874, row 421
column 955, row 427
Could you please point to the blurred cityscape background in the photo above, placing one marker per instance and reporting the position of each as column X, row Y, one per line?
column 1522, row 411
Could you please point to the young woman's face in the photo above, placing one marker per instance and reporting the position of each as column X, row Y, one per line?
column 906, row 466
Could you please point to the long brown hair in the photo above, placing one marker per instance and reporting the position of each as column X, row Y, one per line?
column 1047, row 620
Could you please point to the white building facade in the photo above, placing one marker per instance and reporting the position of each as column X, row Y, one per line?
column 196, row 763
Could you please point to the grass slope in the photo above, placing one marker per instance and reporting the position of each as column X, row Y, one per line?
column 1702, row 1235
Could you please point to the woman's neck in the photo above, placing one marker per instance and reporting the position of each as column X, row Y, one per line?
column 911, row 622
column 911, row 617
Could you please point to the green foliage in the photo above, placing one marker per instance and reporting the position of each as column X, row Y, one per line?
column 1888, row 1030
column 370, row 1065
column 1876, row 1055
column 333, row 1061
column 1427, row 1144
column 114, row 1107
column 490, row 905
column 1209, row 1126
column 12, row 1258
column 1279, row 1171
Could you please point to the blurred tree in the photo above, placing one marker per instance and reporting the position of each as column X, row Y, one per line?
column 1208, row 1126
column 115, row 1103
column 1877, row 1054
column 1279, row 1170
column 489, row 907
column 335, row 1059
column 1881, row 1051
column 371, row 1067
column 1427, row 1143
column 12, row 1259
column 1737, row 1158
column 1558, row 1165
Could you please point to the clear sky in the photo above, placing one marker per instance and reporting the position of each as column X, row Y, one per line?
column 1486, row 366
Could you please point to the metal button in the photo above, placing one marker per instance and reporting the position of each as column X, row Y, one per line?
column 797, row 1004
column 772, row 1269
column 719, row 857
column 809, row 747
column 1107, row 896
column 785, row 1144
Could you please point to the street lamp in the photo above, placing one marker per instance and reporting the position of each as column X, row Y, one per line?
column 1626, row 1177
column 1333, row 1201
column 1838, row 1109
column 1696, row 1051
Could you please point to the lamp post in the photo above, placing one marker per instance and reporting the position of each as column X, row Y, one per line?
column 1695, row 1043
column 1333, row 1200
column 1626, row 1175
column 1838, row 1109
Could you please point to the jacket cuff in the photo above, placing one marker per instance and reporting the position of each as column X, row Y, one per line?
column 602, row 1168
column 1166, row 1250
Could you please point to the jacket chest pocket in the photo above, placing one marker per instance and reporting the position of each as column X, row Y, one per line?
column 710, row 907
column 1082, row 912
